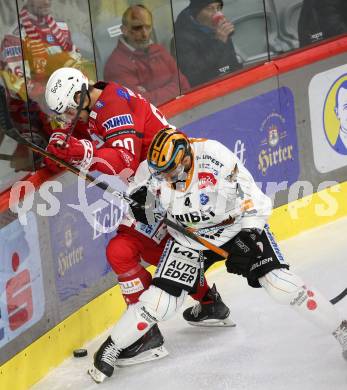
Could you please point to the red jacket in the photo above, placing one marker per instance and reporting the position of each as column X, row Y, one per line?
column 154, row 70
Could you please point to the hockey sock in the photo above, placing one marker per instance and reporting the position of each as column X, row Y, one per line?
column 201, row 291
column 133, row 283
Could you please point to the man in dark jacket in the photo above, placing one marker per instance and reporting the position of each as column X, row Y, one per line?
column 309, row 28
column 332, row 15
column 321, row 19
column 204, row 48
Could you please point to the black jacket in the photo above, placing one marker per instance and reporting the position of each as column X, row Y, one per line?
column 332, row 15
column 200, row 56
column 309, row 28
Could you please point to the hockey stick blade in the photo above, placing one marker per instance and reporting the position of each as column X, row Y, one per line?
column 339, row 297
column 78, row 112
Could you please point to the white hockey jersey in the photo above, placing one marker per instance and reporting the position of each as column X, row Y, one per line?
column 219, row 197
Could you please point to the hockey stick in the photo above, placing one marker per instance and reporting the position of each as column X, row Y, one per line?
column 79, row 109
column 12, row 132
column 339, row 297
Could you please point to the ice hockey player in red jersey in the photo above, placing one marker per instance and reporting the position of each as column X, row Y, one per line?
column 205, row 186
column 122, row 125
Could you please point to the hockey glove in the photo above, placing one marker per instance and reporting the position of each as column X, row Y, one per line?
column 246, row 246
column 75, row 152
column 247, row 241
column 145, row 211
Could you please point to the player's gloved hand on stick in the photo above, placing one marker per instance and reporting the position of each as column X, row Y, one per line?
column 147, row 214
column 75, row 152
column 246, row 248
column 247, row 241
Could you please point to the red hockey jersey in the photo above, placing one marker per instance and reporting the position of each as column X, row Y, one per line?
column 122, row 121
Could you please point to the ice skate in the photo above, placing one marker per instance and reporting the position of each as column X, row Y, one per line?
column 341, row 336
column 212, row 311
column 148, row 347
column 104, row 361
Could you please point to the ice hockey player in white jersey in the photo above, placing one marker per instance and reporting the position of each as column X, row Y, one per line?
column 203, row 186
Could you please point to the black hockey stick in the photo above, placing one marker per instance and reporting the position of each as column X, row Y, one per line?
column 8, row 129
column 79, row 109
column 339, row 297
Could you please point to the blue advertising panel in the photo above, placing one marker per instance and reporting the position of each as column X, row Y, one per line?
column 22, row 299
column 86, row 221
column 262, row 133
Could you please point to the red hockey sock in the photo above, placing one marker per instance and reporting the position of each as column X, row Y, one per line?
column 133, row 283
column 201, row 291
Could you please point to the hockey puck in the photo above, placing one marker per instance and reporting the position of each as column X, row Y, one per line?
column 80, row 353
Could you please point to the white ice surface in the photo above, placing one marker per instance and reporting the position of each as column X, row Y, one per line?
column 271, row 348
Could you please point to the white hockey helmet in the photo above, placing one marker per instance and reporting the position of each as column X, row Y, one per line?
column 61, row 88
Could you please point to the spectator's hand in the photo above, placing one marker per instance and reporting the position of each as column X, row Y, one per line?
column 224, row 29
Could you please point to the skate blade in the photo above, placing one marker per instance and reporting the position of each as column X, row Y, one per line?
column 97, row 375
column 227, row 322
column 146, row 356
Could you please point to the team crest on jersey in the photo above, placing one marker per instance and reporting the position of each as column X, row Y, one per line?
column 206, row 179
column 123, row 94
column 118, row 121
column 93, row 114
column 204, row 199
column 99, row 104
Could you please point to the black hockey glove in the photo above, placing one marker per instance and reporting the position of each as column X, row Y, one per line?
column 244, row 249
column 139, row 210
column 247, row 242
column 150, row 213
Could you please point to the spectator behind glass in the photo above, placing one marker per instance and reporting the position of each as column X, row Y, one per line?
column 332, row 15
column 46, row 45
column 140, row 64
column 321, row 19
column 203, row 42
column 309, row 28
